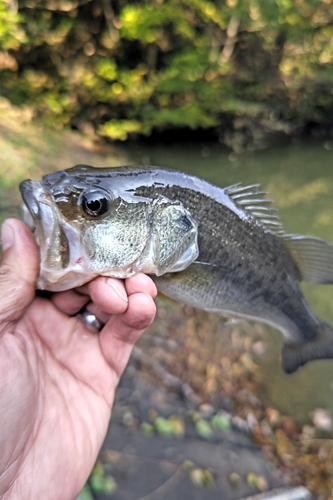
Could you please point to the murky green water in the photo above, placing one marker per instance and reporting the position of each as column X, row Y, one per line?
column 299, row 178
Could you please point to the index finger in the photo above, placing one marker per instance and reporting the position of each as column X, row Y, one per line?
column 122, row 331
column 109, row 294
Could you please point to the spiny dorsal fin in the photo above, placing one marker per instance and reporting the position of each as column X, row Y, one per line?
column 313, row 257
column 252, row 200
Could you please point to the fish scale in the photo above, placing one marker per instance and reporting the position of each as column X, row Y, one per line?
column 222, row 235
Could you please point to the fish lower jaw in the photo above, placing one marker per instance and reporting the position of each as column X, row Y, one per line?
column 27, row 218
column 64, row 279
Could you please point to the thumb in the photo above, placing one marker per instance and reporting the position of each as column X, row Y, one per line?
column 18, row 271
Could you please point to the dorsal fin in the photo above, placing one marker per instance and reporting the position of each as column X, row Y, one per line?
column 313, row 257
column 252, row 200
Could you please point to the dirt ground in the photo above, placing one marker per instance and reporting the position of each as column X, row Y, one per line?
column 188, row 423
column 224, row 465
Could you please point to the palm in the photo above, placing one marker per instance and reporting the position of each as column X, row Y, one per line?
column 68, row 393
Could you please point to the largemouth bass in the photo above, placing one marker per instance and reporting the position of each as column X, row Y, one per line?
column 221, row 250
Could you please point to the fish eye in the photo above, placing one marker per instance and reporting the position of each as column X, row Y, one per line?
column 95, row 203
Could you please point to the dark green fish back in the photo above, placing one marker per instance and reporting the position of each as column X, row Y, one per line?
column 242, row 247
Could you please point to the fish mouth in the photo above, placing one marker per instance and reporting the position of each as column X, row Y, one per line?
column 38, row 213
column 59, row 241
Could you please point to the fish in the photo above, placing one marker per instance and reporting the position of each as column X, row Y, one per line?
column 218, row 249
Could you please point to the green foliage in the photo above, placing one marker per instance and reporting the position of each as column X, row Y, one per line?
column 203, row 429
column 221, row 422
column 130, row 68
column 164, row 427
column 11, row 34
column 173, row 426
column 98, row 483
column 85, row 494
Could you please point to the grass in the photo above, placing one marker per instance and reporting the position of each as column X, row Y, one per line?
column 30, row 150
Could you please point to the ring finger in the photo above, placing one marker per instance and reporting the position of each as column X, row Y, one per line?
column 101, row 315
column 69, row 302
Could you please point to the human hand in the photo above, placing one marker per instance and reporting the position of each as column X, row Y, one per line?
column 58, row 375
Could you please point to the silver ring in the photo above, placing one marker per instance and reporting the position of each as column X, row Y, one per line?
column 91, row 320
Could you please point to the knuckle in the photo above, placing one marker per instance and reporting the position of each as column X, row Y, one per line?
column 6, row 270
column 144, row 317
column 15, row 291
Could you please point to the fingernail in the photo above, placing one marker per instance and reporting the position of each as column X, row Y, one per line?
column 7, row 236
column 118, row 287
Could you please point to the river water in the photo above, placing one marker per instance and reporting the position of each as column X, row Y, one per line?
column 299, row 178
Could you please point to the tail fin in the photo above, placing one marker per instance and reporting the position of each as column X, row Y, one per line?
column 321, row 347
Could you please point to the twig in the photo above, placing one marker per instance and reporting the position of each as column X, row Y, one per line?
column 318, row 441
column 110, row 20
column 299, row 493
column 166, row 377
column 229, row 45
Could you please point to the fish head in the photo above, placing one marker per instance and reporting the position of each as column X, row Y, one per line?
column 88, row 223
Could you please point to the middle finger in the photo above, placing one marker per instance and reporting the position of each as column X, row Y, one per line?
column 108, row 293
column 70, row 301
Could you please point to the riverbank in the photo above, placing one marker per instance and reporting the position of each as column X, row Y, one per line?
column 239, row 70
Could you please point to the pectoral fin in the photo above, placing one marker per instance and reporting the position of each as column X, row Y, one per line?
column 198, row 285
